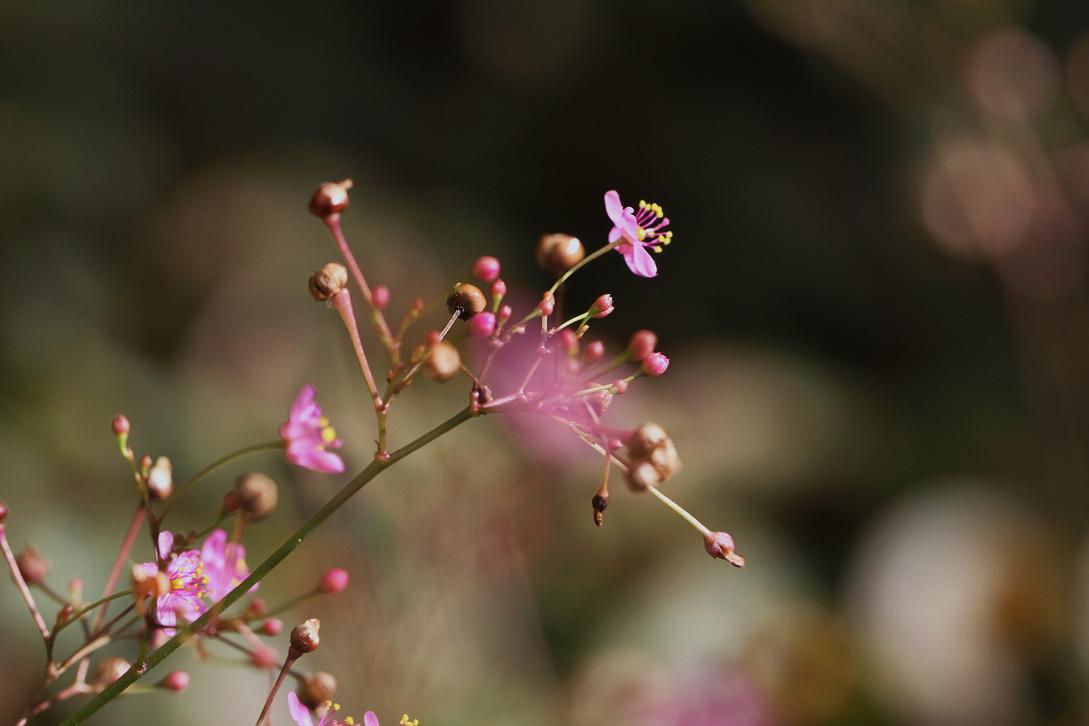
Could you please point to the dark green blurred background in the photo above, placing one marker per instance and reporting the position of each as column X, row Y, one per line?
column 876, row 308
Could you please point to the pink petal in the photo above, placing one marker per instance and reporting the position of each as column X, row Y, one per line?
column 299, row 712
column 614, row 234
column 639, row 260
column 214, row 551
column 613, row 207
column 303, row 400
column 369, row 719
column 166, row 544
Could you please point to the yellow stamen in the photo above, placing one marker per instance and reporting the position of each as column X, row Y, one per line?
column 328, row 434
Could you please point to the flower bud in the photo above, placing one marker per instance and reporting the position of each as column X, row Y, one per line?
column 498, row 288
column 442, row 363
column 466, row 300
column 720, row 545
column 256, row 609
column 504, row 313
column 600, row 502
column 558, row 253
column 643, row 343
column 257, row 495
column 482, row 325
column 330, row 198
column 380, row 297
column 3, row 511
column 316, row 689
column 176, row 681
column 602, row 307
column 652, row 457
column 109, row 670
column 486, row 268
column 620, row 386
column 334, row 582
column 547, row 305
column 272, row 627
column 569, row 341
column 304, row 637
column 328, row 281
column 33, row 566
column 264, row 657
column 231, row 502
column 655, row 364
column 594, row 351
column 67, row 611
column 120, row 425
column 160, row 479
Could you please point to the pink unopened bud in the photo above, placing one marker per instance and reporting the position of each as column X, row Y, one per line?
column 256, row 609
column 620, row 385
column 486, row 268
column 594, row 351
column 33, row 566
column 120, row 425
column 433, row 337
column 655, row 364
column 418, row 305
column 643, row 343
column 499, row 288
column 720, row 545
column 334, row 582
column 569, row 341
column 602, row 306
column 3, row 512
column 176, row 681
column 380, row 297
column 272, row 627
column 504, row 313
column 547, row 305
column 264, row 658
column 482, row 325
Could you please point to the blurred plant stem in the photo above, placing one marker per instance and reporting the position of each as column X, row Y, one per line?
column 372, row 470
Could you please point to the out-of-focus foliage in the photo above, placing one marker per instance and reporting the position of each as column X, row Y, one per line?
column 876, row 309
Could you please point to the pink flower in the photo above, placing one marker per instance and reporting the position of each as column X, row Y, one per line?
column 224, row 564
column 638, row 231
column 307, row 434
column 655, row 364
column 301, row 714
column 185, row 573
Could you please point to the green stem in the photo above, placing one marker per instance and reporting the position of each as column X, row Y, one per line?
column 371, row 471
column 266, row 446
column 585, row 261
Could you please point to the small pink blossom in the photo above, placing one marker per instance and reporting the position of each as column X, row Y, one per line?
column 482, row 325
column 307, row 435
column 655, row 364
column 486, row 268
column 185, row 573
column 602, row 307
column 498, row 288
column 300, row 714
column 224, row 564
column 638, row 231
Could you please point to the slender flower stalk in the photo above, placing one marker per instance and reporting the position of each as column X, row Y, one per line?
column 122, row 557
column 17, row 576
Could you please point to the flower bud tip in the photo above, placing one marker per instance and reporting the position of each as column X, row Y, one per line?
column 304, row 637
column 486, row 268
column 643, row 343
column 120, row 425
column 380, row 297
column 328, row 281
column 482, row 325
column 466, row 300
column 330, row 198
column 720, row 545
column 334, row 582
column 176, row 681
column 257, row 495
column 655, row 364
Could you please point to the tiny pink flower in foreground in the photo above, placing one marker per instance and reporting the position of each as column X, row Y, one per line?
column 486, row 268
column 655, row 364
column 482, row 325
column 334, row 582
column 300, row 714
column 185, row 572
column 638, row 231
column 307, row 435
column 602, row 307
column 224, row 564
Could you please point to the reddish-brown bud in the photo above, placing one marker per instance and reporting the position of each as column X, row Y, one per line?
column 443, row 362
column 558, row 253
column 316, row 689
column 272, row 627
column 257, row 495
column 466, row 300
column 720, row 545
column 304, row 637
column 652, row 457
column 547, row 305
column 120, row 425
column 600, row 502
column 3, row 511
column 176, row 681
column 33, row 565
column 334, row 582
column 330, row 198
column 328, row 281
column 256, row 609
column 643, row 343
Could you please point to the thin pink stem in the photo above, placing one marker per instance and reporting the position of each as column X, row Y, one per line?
column 342, row 301
column 333, row 223
column 291, row 658
column 28, row 598
column 119, row 562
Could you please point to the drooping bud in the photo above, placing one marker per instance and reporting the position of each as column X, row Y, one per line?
column 652, row 457
column 442, row 363
column 160, row 479
column 558, row 253
column 272, row 627
column 380, row 297
column 120, row 425
column 330, row 198
column 257, row 495
column 600, row 502
column 642, row 344
column 334, row 582
column 594, row 351
column 328, row 281
column 482, row 325
column 655, row 364
column 33, row 565
column 466, row 300
column 109, row 670
column 486, row 268
column 304, row 637
column 602, row 307
column 316, row 689
column 547, row 305
column 720, row 545
column 176, row 681
column 498, row 288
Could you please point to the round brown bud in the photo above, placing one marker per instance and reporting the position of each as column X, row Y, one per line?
column 327, row 281
column 646, row 439
column 466, row 300
column 304, row 637
column 109, row 670
column 120, row 425
column 257, row 495
column 160, row 479
column 33, row 566
column 3, row 511
column 442, row 362
column 558, row 253
column 330, row 198
column 652, row 457
column 316, row 689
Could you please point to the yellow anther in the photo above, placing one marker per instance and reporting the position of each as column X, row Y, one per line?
column 336, row 706
column 640, row 233
column 642, row 204
column 324, row 421
column 328, row 434
column 349, row 721
column 657, row 248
